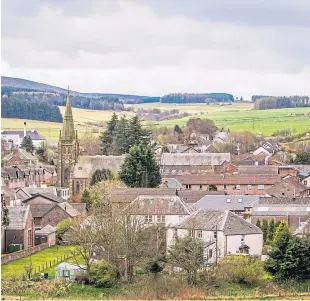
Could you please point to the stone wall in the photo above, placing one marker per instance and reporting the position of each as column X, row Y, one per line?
column 6, row 258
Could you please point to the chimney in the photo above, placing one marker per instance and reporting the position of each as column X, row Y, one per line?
column 25, row 129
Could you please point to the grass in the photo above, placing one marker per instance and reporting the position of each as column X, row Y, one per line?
column 16, row 267
column 237, row 117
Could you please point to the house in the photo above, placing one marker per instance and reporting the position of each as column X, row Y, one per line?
column 258, row 170
column 294, row 211
column 303, row 229
column 27, row 192
column 305, row 179
column 84, row 169
column 43, row 199
column 122, row 197
column 221, row 137
column 302, row 168
column 268, row 148
column 17, row 136
column 6, row 147
column 222, row 233
column 190, row 197
column 6, row 194
column 20, row 230
column 67, row 271
column 237, row 204
column 12, row 177
column 164, row 210
column 171, row 183
column 178, row 164
column 285, row 170
column 231, row 184
column 46, row 235
column 288, row 187
column 19, row 156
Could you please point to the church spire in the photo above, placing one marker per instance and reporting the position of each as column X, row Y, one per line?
column 68, row 125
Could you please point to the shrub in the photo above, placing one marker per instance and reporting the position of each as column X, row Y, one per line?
column 103, row 275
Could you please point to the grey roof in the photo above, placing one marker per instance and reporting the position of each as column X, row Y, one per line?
column 194, row 159
column 49, row 196
column 261, row 169
column 18, row 216
column 220, row 220
column 173, row 183
column 289, row 187
column 192, row 196
column 127, row 195
column 302, row 168
column 39, row 210
column 39, row 190
column 284, row 200
column 48, row 229
column 158, row 205
column 280, row 210
column 33, row 134
column 21, row 154
column 80, row 207
column 88, row 164
column 69, row 209
column 226, row 202
column 69, row 266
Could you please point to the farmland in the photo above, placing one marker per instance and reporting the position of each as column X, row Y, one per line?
column 236, row 117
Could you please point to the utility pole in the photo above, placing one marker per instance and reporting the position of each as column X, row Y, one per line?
column 216, row 244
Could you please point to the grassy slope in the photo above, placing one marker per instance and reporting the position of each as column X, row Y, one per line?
column 16, row 267
column 237, row 117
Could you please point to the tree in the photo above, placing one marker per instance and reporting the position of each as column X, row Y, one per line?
column 101, row 175
column 86, row 197
column 258, row 224
column 4, row 213
column 136, row 134
column 187, row 253
column 107, row 136
column 27, row 144
column 271, row 230
column 91, row 144
column 121, row 137
column 140, row 168
column 265, row 230
column 41, row 152
column 302, row 158
column 63, row 227
column 212, row 187
column 177, row 129
column 241, row 98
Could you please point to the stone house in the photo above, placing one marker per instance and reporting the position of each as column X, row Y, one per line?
column 21, row 227
column 221, row 231
column 165, row 210
column 12, row 177
column 231, row 184
column 19, row 156
column 46, row 235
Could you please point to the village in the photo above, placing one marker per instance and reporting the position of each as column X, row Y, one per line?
column 232, row 204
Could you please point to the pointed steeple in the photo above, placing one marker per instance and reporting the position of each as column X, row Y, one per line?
column 68, row 125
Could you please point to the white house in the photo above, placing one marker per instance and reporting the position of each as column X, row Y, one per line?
column 268, row 148
column 222, row 233
column 160, row 209
column 68, row 271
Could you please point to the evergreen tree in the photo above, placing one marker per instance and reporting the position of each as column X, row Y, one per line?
column 177, row 129
column 108, row 135
column 140, row 168
column 258, row 224
column 136, row 134
column 265, row 230
column 101, row 175
column 278, row 222
column 86, row 198
column 122, row 137
column 280, row 227
column 27, row 144
column 271, row 230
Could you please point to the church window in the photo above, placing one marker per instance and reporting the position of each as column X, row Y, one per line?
column 77, row 187
column 66, row 175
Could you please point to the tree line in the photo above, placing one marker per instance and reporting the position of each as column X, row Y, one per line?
column 272, row 102
column 197, row 98
column 31, row 109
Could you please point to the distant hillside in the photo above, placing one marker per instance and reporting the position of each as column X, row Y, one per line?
column 197, row 98
column 29, row 86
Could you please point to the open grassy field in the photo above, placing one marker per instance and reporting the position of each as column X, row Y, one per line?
column 16, row 268
column 236, row 117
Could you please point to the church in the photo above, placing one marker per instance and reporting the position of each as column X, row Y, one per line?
column 68, row 149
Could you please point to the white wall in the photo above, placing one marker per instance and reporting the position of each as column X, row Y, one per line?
column 170, row 220
column 254, row 241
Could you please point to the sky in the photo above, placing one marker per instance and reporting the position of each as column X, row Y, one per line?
column 157, row 47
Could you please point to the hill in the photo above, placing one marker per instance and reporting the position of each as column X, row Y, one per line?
column 28, row 85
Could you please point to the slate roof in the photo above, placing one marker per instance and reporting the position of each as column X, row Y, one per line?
column 51, row 190
column 48, row 229
column 194, row 159
column 39, row 210
column 262, row 170
column 217, row 179
column 173, row 183
column 226, row 202
column 69, row 209
column 221, row 220
column 80, row 207
column 284, row 200
column 33, row 134
column 158, row 205
column 49, row 196
column 289, row 187
column 17, row 216
column 193, row 196
column 280, row 209
column 302, row 168
column 22, row 154
column 127, row 195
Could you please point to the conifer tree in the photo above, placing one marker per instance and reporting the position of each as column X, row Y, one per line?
column 108, row 135
column 265, row 229
column 27, row 144
column 271, row 230
column 258, row 224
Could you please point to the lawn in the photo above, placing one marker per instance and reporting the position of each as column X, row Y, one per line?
column 16, row 267
column 236, row 117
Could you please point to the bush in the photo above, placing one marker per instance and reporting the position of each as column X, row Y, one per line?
column 103, row 275
column 240, row 269
column 82, row 278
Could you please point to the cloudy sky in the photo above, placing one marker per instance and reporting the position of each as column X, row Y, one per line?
column 155, row 47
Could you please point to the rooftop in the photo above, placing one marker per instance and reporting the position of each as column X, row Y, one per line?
column 33, row 134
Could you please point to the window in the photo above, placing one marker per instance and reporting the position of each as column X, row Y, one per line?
column 188, row 186
column 200, row 187
column 148, row 218
column 66, row 273
column 30, row 238
column 181, row 218
column 249, row 187
column 210, row 253
column 239, row 200
column 237, row 187
column 305, row 182
column 175, row 233
column 224, row 186
column 77, row 187
column 228, row 200
column 161, row 218
column 242, row 238
column 261, row 187
column 215, row 235
column 191, row 233
column 199, row 234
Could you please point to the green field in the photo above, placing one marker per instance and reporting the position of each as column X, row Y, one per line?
column 16, row 268
column 236, row 117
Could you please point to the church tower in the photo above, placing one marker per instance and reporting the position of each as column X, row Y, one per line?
column 68, row 148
